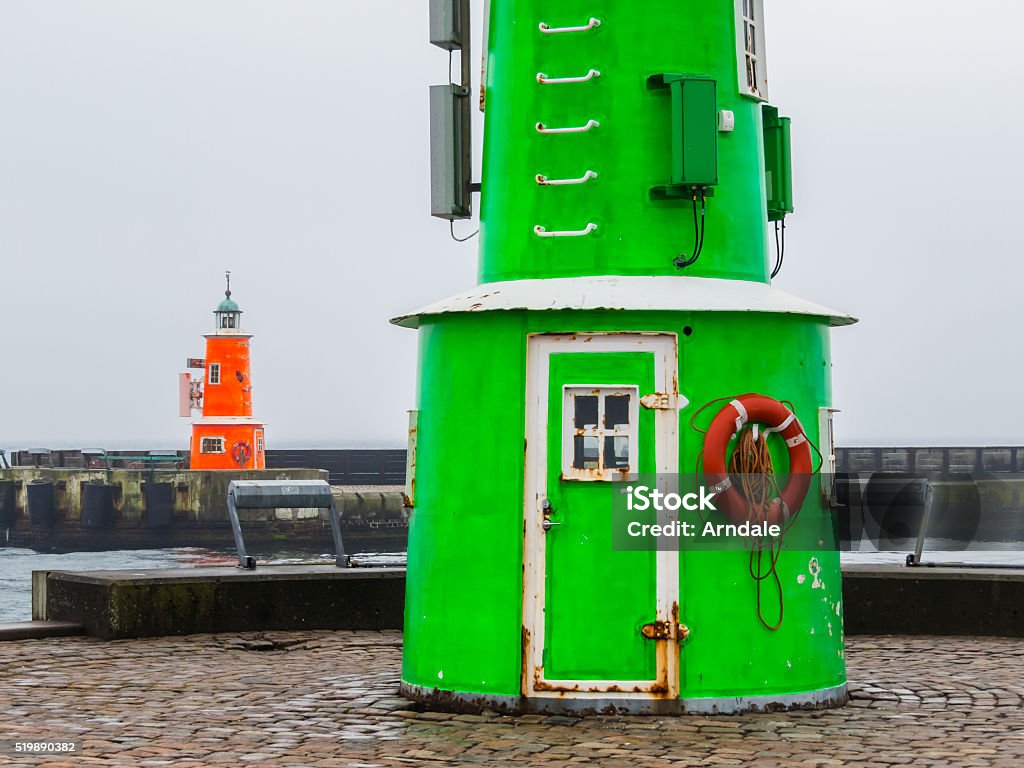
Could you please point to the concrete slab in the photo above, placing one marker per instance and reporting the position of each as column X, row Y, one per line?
column 39, row 630
column 895, row 600
column 182, row 601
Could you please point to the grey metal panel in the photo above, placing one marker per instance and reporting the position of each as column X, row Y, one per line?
column 863, row 460
column 931, row 459
column 963, row 460
column 997, row 460
column 896, row 460
column 450, row 152
column 446, row 28
column 347, row 466
column 275, row 494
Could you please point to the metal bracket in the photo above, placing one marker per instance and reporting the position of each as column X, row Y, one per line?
column 664, row 630
column 658, row 401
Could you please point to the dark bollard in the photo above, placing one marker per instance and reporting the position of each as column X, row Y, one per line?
column 8, row 504
column 159, row 499
column 97, row 505
column 41, row 508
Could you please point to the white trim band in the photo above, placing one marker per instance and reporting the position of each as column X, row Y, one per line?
column 743, row 417
column 783, row 426
column 725, row 485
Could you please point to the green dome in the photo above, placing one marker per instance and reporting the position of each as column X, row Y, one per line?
column 228, row 305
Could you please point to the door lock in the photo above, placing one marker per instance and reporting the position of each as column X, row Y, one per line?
column 663, row 630
column 548, row 510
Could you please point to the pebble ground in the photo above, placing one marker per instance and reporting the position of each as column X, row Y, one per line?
column 330, row 699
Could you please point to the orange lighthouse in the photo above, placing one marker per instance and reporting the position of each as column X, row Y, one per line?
column 226, row 436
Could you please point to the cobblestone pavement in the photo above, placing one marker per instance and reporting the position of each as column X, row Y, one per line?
column 329, row 699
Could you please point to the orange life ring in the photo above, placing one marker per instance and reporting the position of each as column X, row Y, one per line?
column 757, row 409
column 241, row 452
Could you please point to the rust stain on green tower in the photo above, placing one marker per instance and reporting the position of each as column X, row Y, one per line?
column 632, row 171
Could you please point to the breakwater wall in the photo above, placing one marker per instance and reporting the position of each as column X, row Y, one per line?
column 101, row 509
column 877, row 599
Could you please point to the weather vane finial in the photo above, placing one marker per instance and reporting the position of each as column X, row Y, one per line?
column 227, row 276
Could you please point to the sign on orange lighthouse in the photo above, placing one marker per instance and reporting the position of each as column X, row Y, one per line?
column 226, row 436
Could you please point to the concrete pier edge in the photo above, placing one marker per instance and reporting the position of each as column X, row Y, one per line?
column 877, row 600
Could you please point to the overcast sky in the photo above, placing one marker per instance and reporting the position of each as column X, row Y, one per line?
column 147, row 146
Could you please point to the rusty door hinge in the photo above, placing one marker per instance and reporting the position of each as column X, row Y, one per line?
column 659, row 401
column 662, row 630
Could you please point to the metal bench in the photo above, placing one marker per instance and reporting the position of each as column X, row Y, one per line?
column 277, row 494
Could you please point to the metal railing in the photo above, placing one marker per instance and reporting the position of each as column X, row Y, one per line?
column 916, row 559
column 283, row 494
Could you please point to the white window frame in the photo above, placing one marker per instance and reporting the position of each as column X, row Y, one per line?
column 259, row 442
column 569, row 431
column 751, row 28
column 214, row 375
column 202, row 444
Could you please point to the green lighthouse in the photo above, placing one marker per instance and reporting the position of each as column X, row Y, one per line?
column 632, row 171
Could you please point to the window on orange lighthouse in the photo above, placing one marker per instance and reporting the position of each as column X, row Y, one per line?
column 227, row 314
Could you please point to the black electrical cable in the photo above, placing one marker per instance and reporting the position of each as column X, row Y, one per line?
column 703, row 224
column 780, row 247
column 461, row 239
column 451, row 80
column 698, row 234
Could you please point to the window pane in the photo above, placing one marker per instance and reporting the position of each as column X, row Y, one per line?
column 585, row 449
column 616, row 452
column 616, row 412
column 586, row 411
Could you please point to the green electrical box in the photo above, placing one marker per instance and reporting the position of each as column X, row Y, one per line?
column 778, row 164
column 694, row 135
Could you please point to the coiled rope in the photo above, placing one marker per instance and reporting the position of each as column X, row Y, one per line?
column 751, row 466
column 753, row 472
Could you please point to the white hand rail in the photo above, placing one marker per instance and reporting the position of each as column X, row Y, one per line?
column 545, row 80
column 544, row 181
column 541, row 128
column 548, row 30
column 542, row 232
